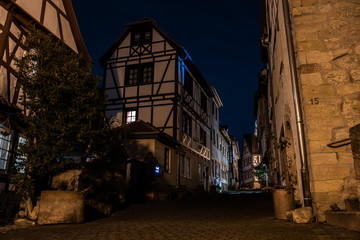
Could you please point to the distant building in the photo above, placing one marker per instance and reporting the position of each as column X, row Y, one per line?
column 311, row 50
column 54, row 17
column 234, row 161
column 250, row 158
column 224, row 156
column 216, row 155
column 151, row 78
column 262, row 130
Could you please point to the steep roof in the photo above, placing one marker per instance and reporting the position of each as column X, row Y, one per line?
column 148, row 22
column 57, row 17
column 144, row 22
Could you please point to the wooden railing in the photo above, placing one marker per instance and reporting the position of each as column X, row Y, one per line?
column 195, row 146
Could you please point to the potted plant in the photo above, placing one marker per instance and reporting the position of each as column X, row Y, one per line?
column 283, row 194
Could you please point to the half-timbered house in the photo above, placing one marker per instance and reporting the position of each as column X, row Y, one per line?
column 56, row 17
column 149, row 77
column 250, row 159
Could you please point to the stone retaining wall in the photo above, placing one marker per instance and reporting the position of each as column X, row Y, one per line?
column 61, row 207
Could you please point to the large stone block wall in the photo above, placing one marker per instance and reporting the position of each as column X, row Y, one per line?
column 326, row 37
column 61, row 207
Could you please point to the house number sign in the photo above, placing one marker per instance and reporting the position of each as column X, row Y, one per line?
column 314, row 101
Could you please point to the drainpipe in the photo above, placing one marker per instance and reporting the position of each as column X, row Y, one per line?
column 298, row 114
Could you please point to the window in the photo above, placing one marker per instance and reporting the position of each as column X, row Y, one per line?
column 130, row 116
column 132, row 74
column 213, row 108
column 167, row 160
column 186, row 124
column 214, row 139
column 141, row 37
column 5, row 137
column 200, row 172
column 138, row 74
column 188, row 83
column 182, row 165
column 202, row 137
column 188, row 167
column 147, row 73
column 203, row 102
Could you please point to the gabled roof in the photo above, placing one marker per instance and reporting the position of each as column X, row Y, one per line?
column 30, row 11
column 144, row 22
column 148, row 22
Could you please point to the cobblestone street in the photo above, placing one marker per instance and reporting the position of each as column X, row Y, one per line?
column 227, row 216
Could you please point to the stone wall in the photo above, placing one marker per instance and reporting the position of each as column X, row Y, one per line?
column 326, row 37
column 61, row 207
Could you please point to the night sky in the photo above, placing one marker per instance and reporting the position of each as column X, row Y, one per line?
column 222, row 37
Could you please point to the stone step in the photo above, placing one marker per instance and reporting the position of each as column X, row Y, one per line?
column 346, row 219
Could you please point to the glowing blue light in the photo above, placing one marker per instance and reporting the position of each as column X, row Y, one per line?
column 157, row 169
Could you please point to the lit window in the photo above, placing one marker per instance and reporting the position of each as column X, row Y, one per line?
column 130, row 116
column 167, row 160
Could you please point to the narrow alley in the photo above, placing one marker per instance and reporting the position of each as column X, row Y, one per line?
column 226, row 216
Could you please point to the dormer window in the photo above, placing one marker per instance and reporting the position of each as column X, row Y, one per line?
column 141, row 37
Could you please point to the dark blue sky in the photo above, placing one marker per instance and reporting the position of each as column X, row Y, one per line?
column 222, row 37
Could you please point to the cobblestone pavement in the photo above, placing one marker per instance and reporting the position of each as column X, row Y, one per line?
column 240, row 216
